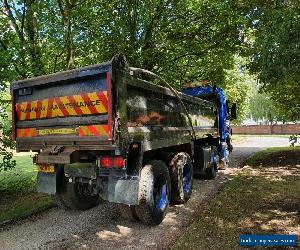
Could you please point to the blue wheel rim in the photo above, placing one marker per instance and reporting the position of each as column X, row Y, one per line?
column 162, row 198
column 214, row 160
column 187, row 178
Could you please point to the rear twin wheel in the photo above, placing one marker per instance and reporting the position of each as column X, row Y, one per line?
column 74, row 196
column 154, row 193
column 157, row 188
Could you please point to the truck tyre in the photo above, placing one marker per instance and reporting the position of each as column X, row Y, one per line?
column 76, row 200
column 154, row 193
column 58, row 196
column 128, row 212
column 181, row 172
column 210, row 173
column 70, row 197
column 59, row 201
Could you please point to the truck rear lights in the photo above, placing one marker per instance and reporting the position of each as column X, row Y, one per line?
column 112, row 162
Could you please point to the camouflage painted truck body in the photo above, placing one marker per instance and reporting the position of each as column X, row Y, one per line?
column 99, row 125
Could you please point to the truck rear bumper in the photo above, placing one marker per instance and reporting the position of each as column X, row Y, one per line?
column 85, row 143
column 123, row 190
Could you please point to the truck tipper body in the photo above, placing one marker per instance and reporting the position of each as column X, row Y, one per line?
column 105, row 132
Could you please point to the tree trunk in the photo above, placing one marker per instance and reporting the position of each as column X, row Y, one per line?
column 66, row 13
column 35, row 53
column 69, row 39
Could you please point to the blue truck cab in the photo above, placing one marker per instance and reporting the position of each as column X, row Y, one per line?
column 225, row 114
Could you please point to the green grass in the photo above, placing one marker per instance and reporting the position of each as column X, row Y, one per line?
column 273, row 154
column 20, row 179
column 22, row 206
column 18, row 191
column 261, row 200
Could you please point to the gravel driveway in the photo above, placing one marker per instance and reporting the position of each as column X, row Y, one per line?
column 103, row 228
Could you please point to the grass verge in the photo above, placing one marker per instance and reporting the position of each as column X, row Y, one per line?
column 18, row 191
column 262, row 199
column 283, row 156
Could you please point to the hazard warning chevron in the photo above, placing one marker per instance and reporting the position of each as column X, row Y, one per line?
column 100, row 130
column 64, row 106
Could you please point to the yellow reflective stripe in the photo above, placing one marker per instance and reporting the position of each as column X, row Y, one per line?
column 33, row 110
column 65, row 100
column 85, row 130
column 44, row 108
column 90, row 105
column 57, row 131
column 100, row 108
column 23, row 114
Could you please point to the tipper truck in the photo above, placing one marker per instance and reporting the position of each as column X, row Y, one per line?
column 111, row 132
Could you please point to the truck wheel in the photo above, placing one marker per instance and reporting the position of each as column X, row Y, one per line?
column 58, row 196
column 76, row 198
column 211, row 172
column 181, row 171
column 59, row 201
column 128, row 212
column 73, row 196
column 154, row 193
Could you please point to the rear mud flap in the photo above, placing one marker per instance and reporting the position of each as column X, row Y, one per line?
column 46, row 183
column 50, row 183
column 123, row 191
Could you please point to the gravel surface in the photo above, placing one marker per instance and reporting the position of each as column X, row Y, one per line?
column 103, row 228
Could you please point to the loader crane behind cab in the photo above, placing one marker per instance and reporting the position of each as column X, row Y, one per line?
column 224, row 115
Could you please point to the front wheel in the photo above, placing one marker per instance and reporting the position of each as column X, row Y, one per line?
column 212, row 170
column 182, row 172
column 154, row 193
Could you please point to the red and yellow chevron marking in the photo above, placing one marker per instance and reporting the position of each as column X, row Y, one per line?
column 62, row 106
column 89, row 130
column 94, row 130
column 26, row 132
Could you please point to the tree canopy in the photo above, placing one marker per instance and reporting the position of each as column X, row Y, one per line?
column 181, row 40
column 178, row 39
column 275, row 55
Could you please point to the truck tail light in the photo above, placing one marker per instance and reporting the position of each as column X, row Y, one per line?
column 112, row 162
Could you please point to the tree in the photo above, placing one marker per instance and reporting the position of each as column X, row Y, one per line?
column 5, row 139
column 262, row 108
column 275, row 54
column 181, row 40
column 238, row 87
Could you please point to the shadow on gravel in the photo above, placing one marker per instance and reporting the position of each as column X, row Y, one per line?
column 241, row 154
column 103, row 228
